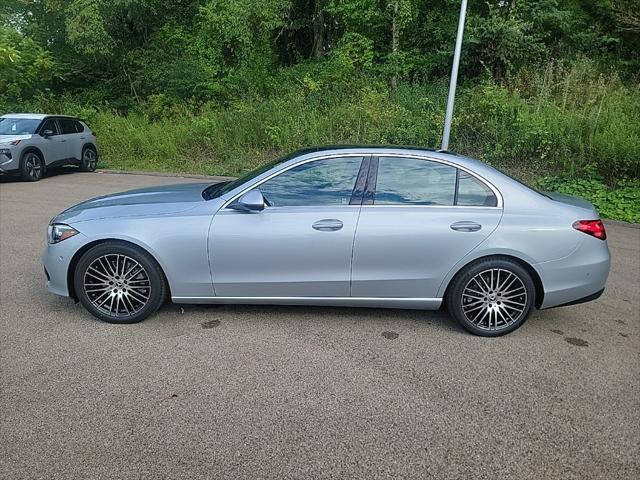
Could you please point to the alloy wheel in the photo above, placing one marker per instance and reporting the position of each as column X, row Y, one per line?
column 117, row 285
column 33, row 166
column 90, row 159
column 494, row 299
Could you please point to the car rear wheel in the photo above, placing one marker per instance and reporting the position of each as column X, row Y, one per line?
column 119, row 283
column 89, row 160
column 31, row 167
column 491, row 297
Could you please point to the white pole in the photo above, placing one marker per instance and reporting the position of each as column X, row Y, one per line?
column 454, row 78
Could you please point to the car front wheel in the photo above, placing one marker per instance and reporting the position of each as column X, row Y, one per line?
column 119, row 283
column 31, row 167
column 491, row 297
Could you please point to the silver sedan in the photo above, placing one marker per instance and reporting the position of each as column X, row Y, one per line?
column 342, row 226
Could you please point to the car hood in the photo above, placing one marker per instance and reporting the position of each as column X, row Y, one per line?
column 162, row 200
column 13, row 138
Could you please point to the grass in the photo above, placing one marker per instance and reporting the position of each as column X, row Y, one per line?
column 556, row 122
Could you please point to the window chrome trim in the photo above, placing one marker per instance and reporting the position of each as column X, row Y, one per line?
column 482, row 180
column 414, row 205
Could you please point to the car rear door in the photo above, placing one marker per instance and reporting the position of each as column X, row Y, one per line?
column 301, row 244
column 419, row 218
column 71, row 138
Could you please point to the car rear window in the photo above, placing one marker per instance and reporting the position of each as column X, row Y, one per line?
column 472, row 192
column 410, row 181
column 67, row 125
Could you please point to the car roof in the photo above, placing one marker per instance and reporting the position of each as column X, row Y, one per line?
column 34, row 116
column 368, row 149
column 392, row 150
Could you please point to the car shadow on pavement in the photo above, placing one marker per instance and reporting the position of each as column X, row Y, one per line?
column 312, row 315
column 50, row 173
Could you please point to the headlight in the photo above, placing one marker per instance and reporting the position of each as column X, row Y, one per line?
column 58, row 232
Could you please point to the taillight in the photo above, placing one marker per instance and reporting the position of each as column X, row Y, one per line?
column 595, row 228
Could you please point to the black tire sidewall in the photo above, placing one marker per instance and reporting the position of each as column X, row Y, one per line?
column 158, row 282
column 466, row 274
column 83, row 166
column 23, row 165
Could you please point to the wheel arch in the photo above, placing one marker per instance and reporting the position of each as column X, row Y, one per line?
column 87, row 246
column 33, row 149
column 535, row 276
column 90, row 145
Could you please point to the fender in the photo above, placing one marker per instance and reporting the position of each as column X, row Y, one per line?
column 124, row 238
column 475, row 255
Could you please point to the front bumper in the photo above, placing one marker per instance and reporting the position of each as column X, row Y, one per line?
column 9, row 165
column 56, row 259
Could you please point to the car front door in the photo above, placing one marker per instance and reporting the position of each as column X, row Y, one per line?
column 419, row 218
column 54, row 146
column 300, row 245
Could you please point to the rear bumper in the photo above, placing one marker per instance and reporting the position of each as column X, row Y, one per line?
column 577, row 278
column 588, row 298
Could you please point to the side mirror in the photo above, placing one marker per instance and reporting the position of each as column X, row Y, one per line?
column 252, row 201
column 47, row 133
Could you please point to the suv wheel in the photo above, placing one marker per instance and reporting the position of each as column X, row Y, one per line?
column 491, row 297
column 89, row 160
column 31, row 167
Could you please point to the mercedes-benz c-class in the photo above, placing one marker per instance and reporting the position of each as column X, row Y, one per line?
column 340, row 226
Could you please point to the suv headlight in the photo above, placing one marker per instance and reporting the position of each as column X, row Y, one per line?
column 58, row 232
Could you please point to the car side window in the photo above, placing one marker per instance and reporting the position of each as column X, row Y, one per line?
column 316, row 183
column 472, row 192
column 67, row 125
column 50, row 124
column 410, row 181
column 79, row 126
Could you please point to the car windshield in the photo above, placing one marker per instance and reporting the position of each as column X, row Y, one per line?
column 218, row 189
column 18, row 126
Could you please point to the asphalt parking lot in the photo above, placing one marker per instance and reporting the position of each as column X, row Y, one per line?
column 297, row 392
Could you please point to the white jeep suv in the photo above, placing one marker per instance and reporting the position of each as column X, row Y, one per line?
column 31, row 143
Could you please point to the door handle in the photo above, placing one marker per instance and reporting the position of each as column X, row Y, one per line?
column 62, row 140
column 466, row 226
column 328, row 225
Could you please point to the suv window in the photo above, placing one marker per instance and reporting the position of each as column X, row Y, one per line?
column 79, row 126
column 67, row 125
column 50, row 124
column 472, row 192
column 409, row 181
column 317, row 183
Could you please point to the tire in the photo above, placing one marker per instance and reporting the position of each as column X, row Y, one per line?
column 89, row 159
column 31, row 167
column 119, row 283
column 491, row 297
